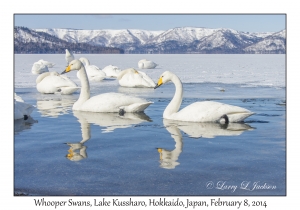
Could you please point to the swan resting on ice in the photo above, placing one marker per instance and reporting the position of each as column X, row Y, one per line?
column 145, row 64
column 133, row 78
column 53, row 82
column 93, row 72
column 206, row 111
column 107, row 102
column 41, row 66
column 22, row 110
column 111, row 71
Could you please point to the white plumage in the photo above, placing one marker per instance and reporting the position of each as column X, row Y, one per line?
column 206, row 111
column 107, row 102
column 53, row 82
column 133, row 78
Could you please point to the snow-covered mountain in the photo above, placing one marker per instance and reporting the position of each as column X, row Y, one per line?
column 272, row 43
column 31, row 41
column 176, row 40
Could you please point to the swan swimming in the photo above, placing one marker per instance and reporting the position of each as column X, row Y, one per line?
column 206, row 111
column 107, row 102
column 111, row 71
column 22, row 110
column 145, row 64
column 93, row 72
column 53, row 82
column 133, row 78
column 69, row 56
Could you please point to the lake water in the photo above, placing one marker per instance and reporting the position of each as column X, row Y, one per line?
column 62, row 152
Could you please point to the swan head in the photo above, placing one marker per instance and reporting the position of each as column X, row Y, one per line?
column 164, row 78
column 73, row 65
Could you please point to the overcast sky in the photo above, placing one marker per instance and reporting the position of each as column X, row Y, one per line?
column 239, row 22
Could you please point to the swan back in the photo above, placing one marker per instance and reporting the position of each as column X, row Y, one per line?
column 39, row 68
column 146, row 64
column 52, row 82
column 85, row 61
column 46, row 63
column 93, row 72
column 111, row 71
column 133, row 78
column 21, row 109
column 126, row 71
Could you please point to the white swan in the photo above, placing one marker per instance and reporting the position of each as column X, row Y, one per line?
column 46, row 63
column 207, row 111
column 41, row 66
column 93, row 72
column 133, row 78
column 53, row 82
column 69, row 56
column 145, row 64
column 107, row 102
column 111, row 71
column 18, row 98
column 22, row 110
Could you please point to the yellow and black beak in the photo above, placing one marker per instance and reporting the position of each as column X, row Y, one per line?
column 159, row 83
column 68, row 69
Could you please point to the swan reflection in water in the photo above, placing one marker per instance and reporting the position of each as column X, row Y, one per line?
column 22, row 124
column 55, row 106
column 109, row 122
column 169, row 158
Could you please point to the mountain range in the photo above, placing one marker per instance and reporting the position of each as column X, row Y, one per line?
column 177, row 40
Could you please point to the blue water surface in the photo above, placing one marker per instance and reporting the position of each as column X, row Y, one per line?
column 62, row 152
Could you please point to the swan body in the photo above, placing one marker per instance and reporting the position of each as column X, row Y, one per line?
column 207, row 111
column 93, row 72
column 18, row 98
column 133, row 78
column 107, row 102
column 111, row 71
column 41, row 66
column 22, row 110
column 46, row 63
column 52, row 82
column 69, row 56
column 145, row 64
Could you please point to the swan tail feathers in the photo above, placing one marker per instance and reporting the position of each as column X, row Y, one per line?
column 239, row 117
column 68, row 90
column 136, row 107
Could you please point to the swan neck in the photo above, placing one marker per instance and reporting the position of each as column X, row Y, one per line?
column 85, row 61
column 122, row 73
column 41, row 77
column 85, row 88
column 175, row 103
